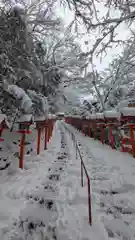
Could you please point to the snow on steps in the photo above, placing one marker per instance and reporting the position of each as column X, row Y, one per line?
column 77, row 205
column 38, row 209
column 26, row 191
column 113, row 195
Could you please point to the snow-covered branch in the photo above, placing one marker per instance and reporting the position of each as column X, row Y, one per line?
column 100, row 17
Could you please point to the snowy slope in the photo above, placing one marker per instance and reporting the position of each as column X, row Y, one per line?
column 113, row 186
column 75, row 217
column 16, row 188
column 45, row 201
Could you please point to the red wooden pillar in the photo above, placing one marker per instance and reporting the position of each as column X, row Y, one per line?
column 83, row 127
column 94, row 130
column 102, row 136
column 111, row 122
column 50, row 128
column 22, row 144
column 52, row 124
column 38, row 140
column 48, row 133
column 45, row 139
column 89, row 129
column 111, row 137
column 1, row 139
column 131, row 128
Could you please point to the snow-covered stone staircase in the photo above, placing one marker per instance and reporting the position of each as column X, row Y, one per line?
column 38, row 219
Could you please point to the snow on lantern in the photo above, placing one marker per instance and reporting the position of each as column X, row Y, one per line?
column 25, row 122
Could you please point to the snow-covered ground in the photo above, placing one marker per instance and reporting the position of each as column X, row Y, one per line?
column 113, row 186
column 10, row 148
column 17, row 191
column 41, row 201
column 45, row 201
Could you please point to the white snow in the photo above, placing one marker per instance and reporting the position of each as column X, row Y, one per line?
column 92, row 116
column 111, row 114
column 128, row 111
column 113, row 186
column 25, row 193
column 44, row 104
column 99, row 116
column 60, row 113
column 75, row 116
column 19, row 6
column 51, row 116
column 121, row 104
column 25, row 118
column 38, row 119
column 20, row 94
column 2, row 117
column 40, row 101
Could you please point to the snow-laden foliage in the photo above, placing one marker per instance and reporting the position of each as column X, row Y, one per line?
column 103, row 18
column 117, row 84
column 40, row 103
column 37, row 53
column 104, row 22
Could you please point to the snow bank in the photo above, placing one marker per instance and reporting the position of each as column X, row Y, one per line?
column 25, row 118
column 41, row 118
column 121, row 104
column 76, row 116
column 51, row 116
column 99, row 116
column 128, row 111
column 18, row 6
column 60, row 113
column 111, row 114
column 40, row 102
column 21, row 95
column 3, row 117
column 93, row 116
column 112, row 179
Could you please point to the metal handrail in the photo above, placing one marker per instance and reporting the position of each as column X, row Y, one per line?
column 83, row 169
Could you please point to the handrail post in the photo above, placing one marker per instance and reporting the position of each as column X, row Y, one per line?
column 81, row 174
column 83, row 168
column 38, row 140
column 89, row 203
column 76, row 151
column 45, row 138
column 22, row 150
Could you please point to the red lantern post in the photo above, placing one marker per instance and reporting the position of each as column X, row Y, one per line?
column 24, row 128
column 40, row 125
